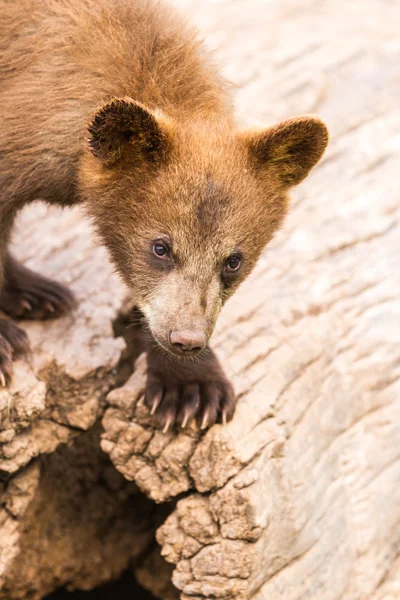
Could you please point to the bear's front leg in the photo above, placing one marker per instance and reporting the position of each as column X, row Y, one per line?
column 179, row 391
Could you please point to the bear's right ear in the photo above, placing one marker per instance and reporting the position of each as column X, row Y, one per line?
column 288, row 151
column 125, row 129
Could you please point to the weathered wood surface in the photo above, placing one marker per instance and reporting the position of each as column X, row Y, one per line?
column 298, row 497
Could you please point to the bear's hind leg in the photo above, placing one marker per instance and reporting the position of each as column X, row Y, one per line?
column 28, row 295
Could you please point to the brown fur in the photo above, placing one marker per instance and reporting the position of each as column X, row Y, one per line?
column 164, row 160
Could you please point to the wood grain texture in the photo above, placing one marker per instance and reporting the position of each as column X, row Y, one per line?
column 299, row 496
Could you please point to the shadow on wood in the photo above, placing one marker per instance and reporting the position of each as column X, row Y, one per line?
column 125, row 588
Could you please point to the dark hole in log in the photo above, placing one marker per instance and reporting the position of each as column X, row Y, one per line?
column 125, row 588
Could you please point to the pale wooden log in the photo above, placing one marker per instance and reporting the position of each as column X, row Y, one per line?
column 300, row 495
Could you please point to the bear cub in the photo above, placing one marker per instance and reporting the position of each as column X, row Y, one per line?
column 116, row 105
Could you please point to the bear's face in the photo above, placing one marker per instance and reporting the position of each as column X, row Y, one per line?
column 186, row 209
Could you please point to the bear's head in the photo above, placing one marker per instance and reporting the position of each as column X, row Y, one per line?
column 186, row 208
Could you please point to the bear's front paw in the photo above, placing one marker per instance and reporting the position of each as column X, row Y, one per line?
column 177, row 393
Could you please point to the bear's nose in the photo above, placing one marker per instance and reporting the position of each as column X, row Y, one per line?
column 188, row 341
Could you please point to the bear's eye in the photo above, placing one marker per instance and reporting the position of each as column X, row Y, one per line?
column 233, row 263
column 161, row 249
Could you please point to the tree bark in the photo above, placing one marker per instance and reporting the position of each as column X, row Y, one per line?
column 299, row 496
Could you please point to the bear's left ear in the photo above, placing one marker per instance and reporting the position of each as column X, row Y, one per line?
column 125, row 129
column 288, row 151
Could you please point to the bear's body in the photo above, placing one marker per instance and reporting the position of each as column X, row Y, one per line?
column 183, row 201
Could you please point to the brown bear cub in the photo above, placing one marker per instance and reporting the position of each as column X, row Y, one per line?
column 115, row 104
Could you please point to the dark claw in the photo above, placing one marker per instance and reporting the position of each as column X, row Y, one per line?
column 190, row 403
column 26, row 306
column 154, row 394
column 210, row 402
column 228, row 404
column 166, row 413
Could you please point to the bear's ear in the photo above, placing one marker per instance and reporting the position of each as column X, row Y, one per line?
column 288, row 151
column 124, row 128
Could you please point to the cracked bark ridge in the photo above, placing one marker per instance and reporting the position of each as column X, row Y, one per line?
column 157, row 462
